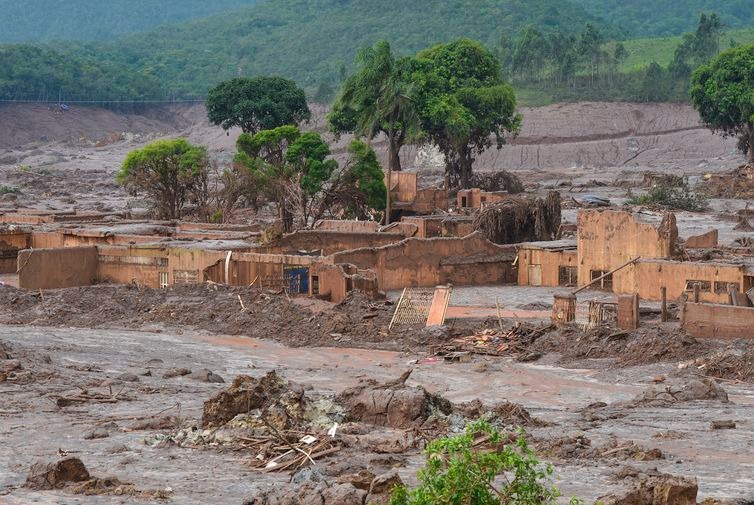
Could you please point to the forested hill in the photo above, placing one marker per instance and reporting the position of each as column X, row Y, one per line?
column 44, row 20
column 309, row 40
column 650, row 18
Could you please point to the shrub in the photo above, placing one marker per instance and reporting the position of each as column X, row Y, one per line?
column 462, row 469
column 678, row 198
column 9, row 189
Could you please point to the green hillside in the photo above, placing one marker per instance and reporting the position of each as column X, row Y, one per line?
column 648, row 18
column 45, row 20
column 642, row 52
column 309, row 40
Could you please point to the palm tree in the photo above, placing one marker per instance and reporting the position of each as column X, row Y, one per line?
column 380, row 98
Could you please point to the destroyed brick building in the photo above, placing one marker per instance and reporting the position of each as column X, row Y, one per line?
column 614, row 251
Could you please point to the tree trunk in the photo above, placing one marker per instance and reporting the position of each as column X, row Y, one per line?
column 391, row 159
column 466, row 162
column 394, row 163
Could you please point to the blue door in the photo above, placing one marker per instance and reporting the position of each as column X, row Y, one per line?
column 296, row 280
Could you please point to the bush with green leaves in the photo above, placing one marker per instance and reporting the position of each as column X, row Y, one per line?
column 9, row 189
column 170, row 172
column 676, row 198
column 462, row 470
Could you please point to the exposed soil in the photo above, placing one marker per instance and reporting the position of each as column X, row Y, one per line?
column 355, row 322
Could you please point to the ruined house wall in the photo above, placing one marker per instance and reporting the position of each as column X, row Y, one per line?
column 704, row 320
column 57, row 268
column 143, row 264
column 474, row 198
column 439, row 226
column 403, row 186
column 646, row 277
column 11, row 242
column 125, row 265
column 347, row 226
column 264, row 270
column 328, row 242
column 471, row 260
column 540, row 267
column 607, row 239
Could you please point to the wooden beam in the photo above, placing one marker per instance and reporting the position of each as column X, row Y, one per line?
column 611, row 272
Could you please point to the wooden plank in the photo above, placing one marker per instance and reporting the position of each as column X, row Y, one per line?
column 439, row 306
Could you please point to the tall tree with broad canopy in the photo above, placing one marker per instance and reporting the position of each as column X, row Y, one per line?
column 462, row 103
column 171, row 172
column 723, row 93
column 257, row 103
column 377, row 99
column 292, row 167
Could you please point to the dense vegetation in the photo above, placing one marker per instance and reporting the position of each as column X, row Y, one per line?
column 44, row 20
column 314, row 43
column 645, row 18
column 40, row 73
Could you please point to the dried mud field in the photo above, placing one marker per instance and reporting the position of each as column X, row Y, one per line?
column 132, row 398
column 210, row 394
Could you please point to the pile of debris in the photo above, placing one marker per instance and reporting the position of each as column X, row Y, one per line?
column 270, row 417
column 516, row 220
column 71, row 475
column 496, row 342
column 738, row 183
column 653, row 488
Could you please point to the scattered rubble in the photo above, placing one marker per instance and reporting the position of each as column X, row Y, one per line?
column 71, row 475
column 654, row 489
column 682, row 390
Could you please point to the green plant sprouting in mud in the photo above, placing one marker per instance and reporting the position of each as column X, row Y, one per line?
column 482, row 466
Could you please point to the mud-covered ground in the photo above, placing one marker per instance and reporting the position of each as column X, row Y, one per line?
column 596, row 423
column 91, row 372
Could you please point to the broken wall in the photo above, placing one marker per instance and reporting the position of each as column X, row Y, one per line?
column 328, row 242
column 471, row 260
column 57, row 268
column 705, row 320
column 607, row 239
column 646, row 277
column 154, row 265
column 11, row 242
column 542, row 267
column 475, row 198
column 346, row 226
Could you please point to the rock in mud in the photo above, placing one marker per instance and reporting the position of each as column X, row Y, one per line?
column 657, row 489
column 244, row 395
column 96, row 434
column 382, row 488
column 44, row 476
column 392, row 404
column 155, row 423
column 723, row 425
column 309, row 494
column 360, row 480
column 176, row 372
column 128, row 377
column 683, row 390
column 207, row 376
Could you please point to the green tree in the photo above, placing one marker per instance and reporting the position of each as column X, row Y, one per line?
column 171, row 172
column 723, row 93
column 376, row 99
column 458, row 471
column 291, row 166
column 257, row 103
column 462, row 103
column 362, row 184
column 654, row 85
